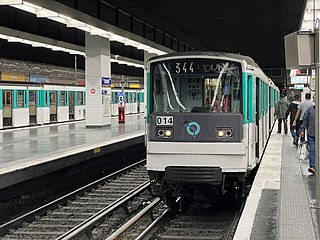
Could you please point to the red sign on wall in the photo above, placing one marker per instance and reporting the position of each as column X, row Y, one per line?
column 93, row 90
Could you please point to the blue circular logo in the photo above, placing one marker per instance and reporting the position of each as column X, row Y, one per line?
column 193, row 128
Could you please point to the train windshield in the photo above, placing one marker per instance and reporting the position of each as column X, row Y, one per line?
column 195, row 85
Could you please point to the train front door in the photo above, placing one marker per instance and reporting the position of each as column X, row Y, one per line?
column 71, row 105
column 53, row 106
column 138, row 102
column 33, row 107
column 7, row 107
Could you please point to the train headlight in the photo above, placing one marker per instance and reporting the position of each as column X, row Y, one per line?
column 224, row 133
column 220, row 133
column 168, row 133
column 164, row 133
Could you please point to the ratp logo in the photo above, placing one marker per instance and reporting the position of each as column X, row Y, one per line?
column 193, row 128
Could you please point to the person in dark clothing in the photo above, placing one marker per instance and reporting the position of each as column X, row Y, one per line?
column 309, row 124
column 292, row 110
column 280, row 113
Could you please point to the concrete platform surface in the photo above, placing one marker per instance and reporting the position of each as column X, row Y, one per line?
column 24, row 148
column 280, row 203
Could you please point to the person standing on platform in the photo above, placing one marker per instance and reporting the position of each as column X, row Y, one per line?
column 292, row 110
column 302, row 108
column 309, row 124
column 280, row 113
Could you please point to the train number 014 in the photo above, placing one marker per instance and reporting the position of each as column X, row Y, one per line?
column 164, row 120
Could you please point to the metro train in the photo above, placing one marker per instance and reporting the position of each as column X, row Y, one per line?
column 25, row 104
column 209, row 115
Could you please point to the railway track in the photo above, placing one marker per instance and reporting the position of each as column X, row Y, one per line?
column 195, row 224
column 120, row 206
column 156, row 221
column 92, row 210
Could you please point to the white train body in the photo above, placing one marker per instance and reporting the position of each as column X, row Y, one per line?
column 208, row 121
column 25, row 104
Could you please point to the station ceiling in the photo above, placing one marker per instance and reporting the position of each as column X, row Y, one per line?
column 250, row 27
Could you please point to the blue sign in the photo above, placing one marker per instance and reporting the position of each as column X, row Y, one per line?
column 38, row 78
column 120, row 97
column 106, row 81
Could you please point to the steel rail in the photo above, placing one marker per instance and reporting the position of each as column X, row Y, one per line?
column 85, row 228
column 60, row 201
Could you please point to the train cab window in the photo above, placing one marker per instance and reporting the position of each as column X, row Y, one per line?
column 199, row 84
column 63, row 98
column 21, row 99
column 133, row 97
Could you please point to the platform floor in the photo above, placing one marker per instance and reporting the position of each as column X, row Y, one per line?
column 281, row 202
column 24, row 147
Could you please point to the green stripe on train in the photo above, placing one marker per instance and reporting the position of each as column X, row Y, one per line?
column 245, row 97
column 43, row 98
column 148, row 96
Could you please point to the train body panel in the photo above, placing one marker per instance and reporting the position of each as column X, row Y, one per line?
column 207, row 113
column 43, row 115
column 20, row 117
column 25, row 104
column 62, row 113
column 228, row 156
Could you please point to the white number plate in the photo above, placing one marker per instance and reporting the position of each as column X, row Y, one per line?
column 164, row 120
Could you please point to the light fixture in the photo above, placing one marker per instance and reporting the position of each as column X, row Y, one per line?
column 42, row 12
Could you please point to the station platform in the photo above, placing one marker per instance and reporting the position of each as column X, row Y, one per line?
column 281, row 202
column 27, row 153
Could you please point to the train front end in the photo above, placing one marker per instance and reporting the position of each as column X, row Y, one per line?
column 195, row 133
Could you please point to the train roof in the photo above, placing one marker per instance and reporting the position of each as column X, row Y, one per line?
column 237, row 56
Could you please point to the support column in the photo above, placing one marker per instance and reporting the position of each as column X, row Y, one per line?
column 98, row 66
column 317, row 118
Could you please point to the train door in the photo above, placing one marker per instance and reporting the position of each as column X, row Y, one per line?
column 71, row 105
column 257, row 116
column 33, row 107
column 270, row 108
column 7, row 107
column 138, row 101
column 53, row 106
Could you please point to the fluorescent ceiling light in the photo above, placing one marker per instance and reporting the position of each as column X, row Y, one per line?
column 58, row 48
column 45, row 13
column 70, row 22
column 10, row 2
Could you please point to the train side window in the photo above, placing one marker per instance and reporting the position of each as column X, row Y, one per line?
column 52, row 97
column 80, row 98
column 7, row 100
column 21, row 100
column 32, row 98
column 63, row 98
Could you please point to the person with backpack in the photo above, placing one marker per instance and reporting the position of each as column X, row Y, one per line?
column 292, row 110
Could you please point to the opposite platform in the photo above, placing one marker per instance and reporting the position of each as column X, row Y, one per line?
column 279, row 205
column 30, row 152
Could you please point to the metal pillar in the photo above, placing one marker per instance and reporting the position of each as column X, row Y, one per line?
column 317, row 102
